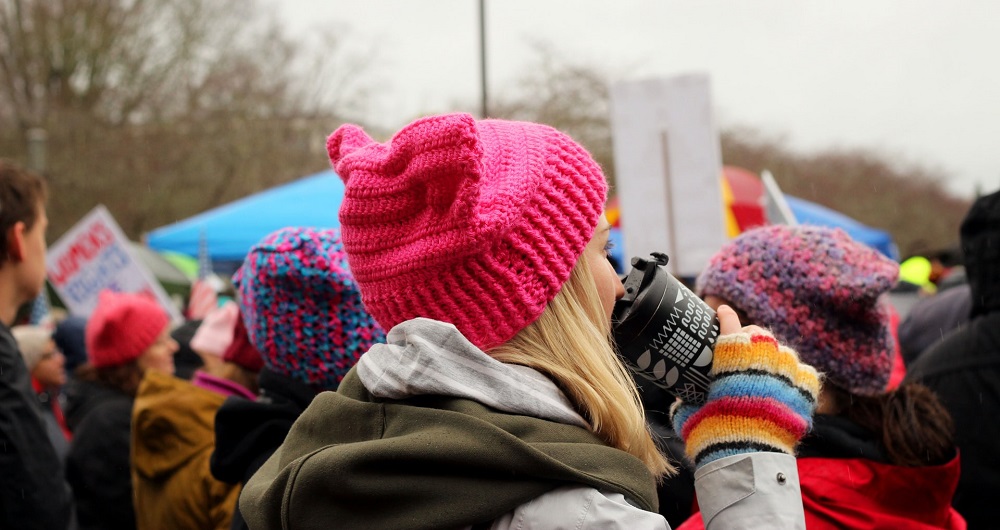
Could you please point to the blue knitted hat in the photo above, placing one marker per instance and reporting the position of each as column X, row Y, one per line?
column 302, row 307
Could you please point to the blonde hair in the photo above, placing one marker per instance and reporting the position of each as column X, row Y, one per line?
column 571, row 343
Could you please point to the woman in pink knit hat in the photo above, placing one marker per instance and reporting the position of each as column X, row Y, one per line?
column 126, row 336
column 498, row 400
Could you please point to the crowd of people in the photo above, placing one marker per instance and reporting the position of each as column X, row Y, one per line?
column 445, row 359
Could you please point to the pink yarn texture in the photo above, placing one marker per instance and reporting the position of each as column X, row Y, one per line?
column 476, row 223
column 122, row 327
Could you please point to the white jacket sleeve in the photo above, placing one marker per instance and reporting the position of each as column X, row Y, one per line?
column 754, row 490
column 580, row 508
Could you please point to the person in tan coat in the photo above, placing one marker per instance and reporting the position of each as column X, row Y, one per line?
column 173, row 435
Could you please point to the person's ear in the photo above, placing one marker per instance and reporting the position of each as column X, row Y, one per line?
column 15, row 241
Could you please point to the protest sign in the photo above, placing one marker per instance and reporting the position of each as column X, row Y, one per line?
column 94, row 255
column 667, row 167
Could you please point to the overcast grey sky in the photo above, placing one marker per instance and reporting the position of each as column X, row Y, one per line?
column 917, row 79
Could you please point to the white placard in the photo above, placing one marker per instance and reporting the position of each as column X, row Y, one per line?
column 94, row 255
column 668, row 166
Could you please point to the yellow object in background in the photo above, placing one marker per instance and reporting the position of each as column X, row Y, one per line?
column 917, row 270
column 732, row 227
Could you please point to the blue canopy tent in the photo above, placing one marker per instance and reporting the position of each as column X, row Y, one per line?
column 231, row 229
column 805, row 212
column 810, row 213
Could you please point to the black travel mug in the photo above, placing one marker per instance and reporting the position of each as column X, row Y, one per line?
column 663, row 331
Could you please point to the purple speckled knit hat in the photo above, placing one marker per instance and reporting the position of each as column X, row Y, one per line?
column 818, row 291
column 302, row 307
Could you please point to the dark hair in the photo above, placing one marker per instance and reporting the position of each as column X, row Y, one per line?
column 21, row 194
column 241, row 376
column 123, row 377
column 914, row 427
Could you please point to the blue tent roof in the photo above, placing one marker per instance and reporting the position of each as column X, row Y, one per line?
column 231, row 229
column 810, row 213
column 805, row 212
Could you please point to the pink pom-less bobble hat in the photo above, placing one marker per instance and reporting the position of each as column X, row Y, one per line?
column 474, row 222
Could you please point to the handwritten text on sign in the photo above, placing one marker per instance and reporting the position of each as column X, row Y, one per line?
column 94, row 256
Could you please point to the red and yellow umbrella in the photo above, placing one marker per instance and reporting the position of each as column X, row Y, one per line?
column 742, row 193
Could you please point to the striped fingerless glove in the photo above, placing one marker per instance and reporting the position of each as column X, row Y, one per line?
column 761, row 399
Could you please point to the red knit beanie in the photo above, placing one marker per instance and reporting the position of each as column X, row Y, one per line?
column 476, row 223
column 241, row 350
column 122, row 326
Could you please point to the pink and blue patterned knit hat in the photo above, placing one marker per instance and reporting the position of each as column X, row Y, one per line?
column 818, row 291
column 302, row 307
column 474, row 222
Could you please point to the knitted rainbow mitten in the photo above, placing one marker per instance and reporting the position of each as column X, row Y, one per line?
column 761, row 399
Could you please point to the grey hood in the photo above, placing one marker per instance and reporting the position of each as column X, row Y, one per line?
column 428, row 357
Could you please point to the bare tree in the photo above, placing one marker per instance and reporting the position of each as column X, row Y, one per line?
column 105, row 59
column 880, row 190
column 884, row 191
column 163, row 109
column 573, row 97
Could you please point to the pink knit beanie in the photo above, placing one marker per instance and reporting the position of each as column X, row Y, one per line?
column 215, row 333
column 476, row 223
column 122, row 326
column 818, row 291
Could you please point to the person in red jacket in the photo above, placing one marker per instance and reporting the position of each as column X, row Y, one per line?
column 877, row 457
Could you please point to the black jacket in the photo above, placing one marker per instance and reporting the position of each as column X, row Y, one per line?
column 97, row 466
column 248, row 432
column 933, row 318
column 47, row 401
column 33, row 493
column 964, row 370
column 676, row 492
